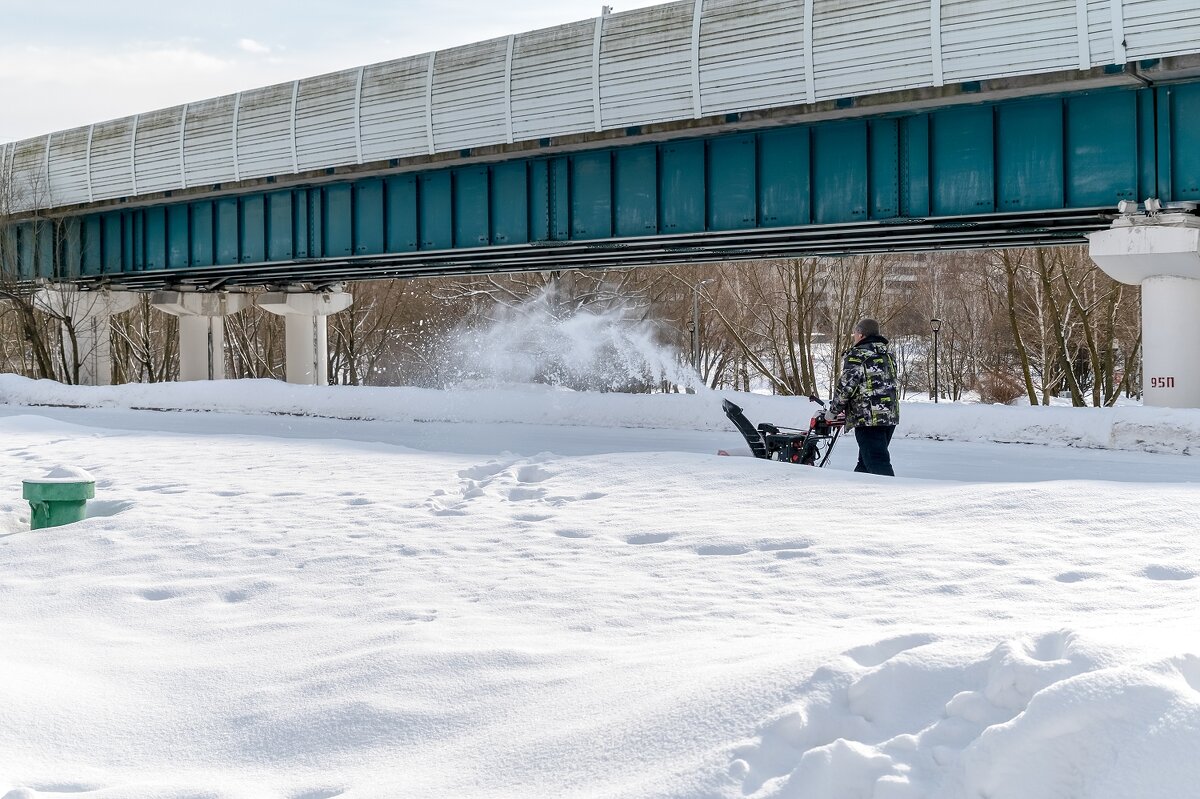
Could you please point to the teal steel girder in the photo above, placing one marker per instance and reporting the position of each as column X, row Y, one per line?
column 1027, row 159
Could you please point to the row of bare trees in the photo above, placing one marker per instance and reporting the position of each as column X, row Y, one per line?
column 1034, row 323
column 1037, row 323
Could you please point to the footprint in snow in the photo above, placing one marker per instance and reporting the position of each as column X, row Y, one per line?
column 1050, row 647
column 157, row 594
column 793, row 554
column 640, row 539
column 532, row 517
column 878, row 653
column 783, row 546
column 519, row 494
column 162, row 488
column 532, row 474
column 318, row 793
column 438, row 507
column 248, row 592
column 483, row 471
column 408, row 616
column 560, row 500
column 1168, row 573
column 99, row 508
column 1074, row 576
column 787, row 550
column 721, row 549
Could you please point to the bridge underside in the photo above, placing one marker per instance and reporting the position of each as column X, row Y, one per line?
column 1009, row 173
column 911, row 235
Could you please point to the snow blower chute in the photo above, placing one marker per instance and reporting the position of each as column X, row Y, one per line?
column 810, row 447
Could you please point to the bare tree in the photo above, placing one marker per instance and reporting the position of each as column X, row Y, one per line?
column 1073, row 327
column 856, row 288
column 254, row 341
column 771, row 312
column 145, row 345
column 29, row 338
column 388, row 335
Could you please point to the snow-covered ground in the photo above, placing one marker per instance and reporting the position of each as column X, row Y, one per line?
column 302, row 593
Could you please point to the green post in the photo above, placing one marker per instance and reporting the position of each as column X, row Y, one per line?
column 59, row 498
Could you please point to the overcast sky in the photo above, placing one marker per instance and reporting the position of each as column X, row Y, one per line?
column 65, row 63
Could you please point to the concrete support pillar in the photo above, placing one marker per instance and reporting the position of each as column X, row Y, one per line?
column 1161, row 253
column 201, row 329
column 89, row 314
column 306, row 330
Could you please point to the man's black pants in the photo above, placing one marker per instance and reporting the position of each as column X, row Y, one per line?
column 873, row 455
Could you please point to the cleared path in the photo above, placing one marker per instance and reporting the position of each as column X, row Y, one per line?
column 917, row 458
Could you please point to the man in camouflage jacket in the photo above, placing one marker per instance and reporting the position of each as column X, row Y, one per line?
column 867, row 395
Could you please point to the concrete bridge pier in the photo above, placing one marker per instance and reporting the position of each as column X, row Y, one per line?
column 1160, row 252
column 90, row 315
column 306, row 330
column 201, row 329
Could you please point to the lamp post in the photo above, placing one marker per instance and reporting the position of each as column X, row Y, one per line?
column 696, row 323
column 935, row 325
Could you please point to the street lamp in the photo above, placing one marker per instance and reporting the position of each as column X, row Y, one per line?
column 935, row 325
column 696, row 323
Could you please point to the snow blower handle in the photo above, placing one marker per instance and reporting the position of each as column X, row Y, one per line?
column 825, row 413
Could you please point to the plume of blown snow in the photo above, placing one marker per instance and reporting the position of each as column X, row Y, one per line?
column 578, row 348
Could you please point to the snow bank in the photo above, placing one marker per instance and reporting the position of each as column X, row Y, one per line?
column 1129, row 427
column 1044, row 717
column 1132, row 428
column 513, row 403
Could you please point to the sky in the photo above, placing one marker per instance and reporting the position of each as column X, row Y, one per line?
column 75, row 62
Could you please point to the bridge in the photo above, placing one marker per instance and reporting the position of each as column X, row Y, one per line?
column 698, row 130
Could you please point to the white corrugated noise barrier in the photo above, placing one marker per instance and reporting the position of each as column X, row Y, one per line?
column 675, row 61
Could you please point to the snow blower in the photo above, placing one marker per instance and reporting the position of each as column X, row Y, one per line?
column 810, row 447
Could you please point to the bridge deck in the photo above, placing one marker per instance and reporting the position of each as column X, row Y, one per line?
column 674, row 63
column 1041, row 170
column 700, row 130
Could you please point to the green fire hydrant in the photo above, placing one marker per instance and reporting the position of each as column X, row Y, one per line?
column 59, row 498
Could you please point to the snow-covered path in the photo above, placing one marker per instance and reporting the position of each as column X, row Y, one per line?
column 915, row 457
column 297, row 608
